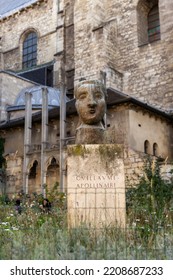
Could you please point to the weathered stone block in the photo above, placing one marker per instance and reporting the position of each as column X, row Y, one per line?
column 95, row 185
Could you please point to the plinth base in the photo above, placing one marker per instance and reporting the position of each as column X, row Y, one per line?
column 96, row 185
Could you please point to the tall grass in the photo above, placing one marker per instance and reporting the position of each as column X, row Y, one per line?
column 36, row 235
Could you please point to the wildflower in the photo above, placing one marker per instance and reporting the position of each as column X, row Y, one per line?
column 134, row 224
column 4, row 223
column 15, row 228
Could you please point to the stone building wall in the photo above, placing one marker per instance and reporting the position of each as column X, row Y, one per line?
column 133, row 167
column 132, row 125
column 43, row 19
column 111, row 44
column 97, row 36
column 10, row 86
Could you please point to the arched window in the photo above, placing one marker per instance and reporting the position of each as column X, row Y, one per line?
column 53, row 161
column 29, row 50
column 155, row 149
column 146, row 147
column 153, row 24
column 33, row 170
column 148, row 23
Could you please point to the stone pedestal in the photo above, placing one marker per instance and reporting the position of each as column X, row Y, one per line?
column 95, row 185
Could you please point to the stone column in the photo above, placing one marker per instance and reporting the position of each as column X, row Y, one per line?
column 62, row 136
column 44, row 137
column 27, row 138
column 89, row 42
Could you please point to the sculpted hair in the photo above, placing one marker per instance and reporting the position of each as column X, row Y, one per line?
column 95, row 83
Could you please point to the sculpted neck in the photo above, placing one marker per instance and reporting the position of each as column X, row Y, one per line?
column 90, row 134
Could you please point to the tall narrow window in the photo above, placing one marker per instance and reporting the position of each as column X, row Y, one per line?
column 30, row 50
column 146, row 147
column 153, row 24
column 155, row 149
column 148, row 22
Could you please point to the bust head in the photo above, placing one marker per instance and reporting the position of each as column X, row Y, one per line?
column 90, row 101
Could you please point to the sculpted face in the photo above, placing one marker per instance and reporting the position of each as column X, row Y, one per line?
column 90, row 102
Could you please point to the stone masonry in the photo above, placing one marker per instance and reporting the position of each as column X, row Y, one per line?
column 97, row 36
column 106, row 39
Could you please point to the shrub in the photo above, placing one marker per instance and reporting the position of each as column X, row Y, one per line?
column 149, row 204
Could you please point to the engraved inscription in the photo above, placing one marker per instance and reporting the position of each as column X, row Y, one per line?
column 95, row 181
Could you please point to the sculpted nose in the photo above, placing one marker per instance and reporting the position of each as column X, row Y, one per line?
column 91, row 102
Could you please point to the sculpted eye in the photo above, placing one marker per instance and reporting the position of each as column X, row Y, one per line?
column 82, row 95
column 98, row 95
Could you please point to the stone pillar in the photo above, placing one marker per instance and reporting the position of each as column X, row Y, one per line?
column 27, row 138
column 89, row 51
column 96, row 185
column 62, row 137
column 44, row 137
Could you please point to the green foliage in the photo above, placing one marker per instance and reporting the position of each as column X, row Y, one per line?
column 4, row 199
column 38, row 235
column 56, row 197
column 149, row 204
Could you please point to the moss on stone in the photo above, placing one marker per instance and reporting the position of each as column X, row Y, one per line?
column 78, row 150
column 109, row 152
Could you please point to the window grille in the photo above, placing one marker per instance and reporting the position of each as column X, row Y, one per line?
column 153, row 24
column 30, row 51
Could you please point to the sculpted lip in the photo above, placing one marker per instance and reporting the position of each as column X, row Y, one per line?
column 92, row 111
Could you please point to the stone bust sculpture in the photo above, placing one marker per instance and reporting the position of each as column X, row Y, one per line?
column 91, row 106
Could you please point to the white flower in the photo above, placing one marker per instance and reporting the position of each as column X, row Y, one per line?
column 4, row 223
column 134, row 224
column 14, row 228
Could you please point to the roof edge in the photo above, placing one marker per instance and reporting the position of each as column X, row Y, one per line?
column 19, row 8
column 19, row 77
column 128, row 98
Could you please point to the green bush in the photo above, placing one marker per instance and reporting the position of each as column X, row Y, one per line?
column 149, row 204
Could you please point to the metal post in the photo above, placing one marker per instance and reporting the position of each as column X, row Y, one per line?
column 103, row 80
column 62, row 136
column 44, row 136
column 27, row 138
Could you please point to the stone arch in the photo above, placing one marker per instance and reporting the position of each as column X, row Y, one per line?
column 34, row 176
column 52, row 171
column 147, row 147
column 33, row 170
column 155, row 149
column 143, row 9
